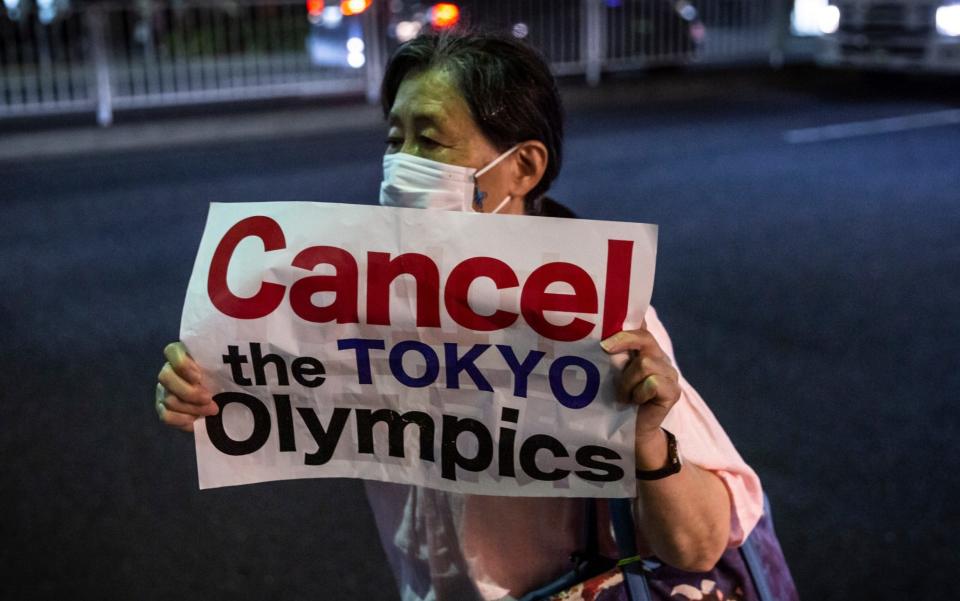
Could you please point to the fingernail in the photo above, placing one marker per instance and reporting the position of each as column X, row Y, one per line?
column 608, row 343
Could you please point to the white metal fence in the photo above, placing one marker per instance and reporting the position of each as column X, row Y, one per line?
column 57, row 58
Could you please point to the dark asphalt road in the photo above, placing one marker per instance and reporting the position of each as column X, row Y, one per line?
column 812, row 292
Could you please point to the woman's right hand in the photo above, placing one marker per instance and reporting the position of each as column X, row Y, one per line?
column 181, row 397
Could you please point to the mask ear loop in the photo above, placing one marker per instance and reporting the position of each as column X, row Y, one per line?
column 501, row 205
column 478, row 196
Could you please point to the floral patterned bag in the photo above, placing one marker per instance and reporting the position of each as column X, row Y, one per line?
column 755, row 571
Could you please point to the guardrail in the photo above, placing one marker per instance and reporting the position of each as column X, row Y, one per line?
column 100, row 57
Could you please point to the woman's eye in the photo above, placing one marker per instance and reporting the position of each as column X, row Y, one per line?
column 429, row 142
column 394, row 142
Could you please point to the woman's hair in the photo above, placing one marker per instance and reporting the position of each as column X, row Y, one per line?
column 507, row 85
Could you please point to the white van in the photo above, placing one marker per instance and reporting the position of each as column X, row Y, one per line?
column 891, row 34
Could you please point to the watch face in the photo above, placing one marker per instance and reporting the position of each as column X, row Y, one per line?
column 673, row 452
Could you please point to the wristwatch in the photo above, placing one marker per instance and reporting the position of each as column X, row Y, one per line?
column 673, row 461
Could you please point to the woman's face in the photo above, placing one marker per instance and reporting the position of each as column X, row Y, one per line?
column 430, row 119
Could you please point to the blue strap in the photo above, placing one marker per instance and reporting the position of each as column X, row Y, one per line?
column 751, row 557
column 634, row 576
column 755, row 567
column 636, row 581
column 621, row 515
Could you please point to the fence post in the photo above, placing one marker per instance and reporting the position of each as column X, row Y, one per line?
column 779, row 30
column 375, row 49
column 594, row 37
column 101, row 64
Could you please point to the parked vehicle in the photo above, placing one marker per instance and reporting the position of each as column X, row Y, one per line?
column 891, row 34
column 636, row 29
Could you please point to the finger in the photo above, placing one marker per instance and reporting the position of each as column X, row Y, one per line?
column 646, row 390
column 656, row 390
column 642, row 367
column 175, row 419
column 174, row 404
column 655, row 398
column 650, row 363
column 179, row 387
column 182, row 363
column 640, row 340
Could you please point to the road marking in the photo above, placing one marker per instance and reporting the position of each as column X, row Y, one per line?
column 874, row 126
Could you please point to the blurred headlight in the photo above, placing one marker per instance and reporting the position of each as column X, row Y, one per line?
column 948, row 20
column 356, row 59
column 805, row 18
column 829, row 19
column 407, row 30
column 355, row 45
column 331, row 16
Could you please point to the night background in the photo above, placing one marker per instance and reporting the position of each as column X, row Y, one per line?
column 808, row 273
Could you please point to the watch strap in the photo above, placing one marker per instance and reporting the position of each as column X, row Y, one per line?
column 673, row 461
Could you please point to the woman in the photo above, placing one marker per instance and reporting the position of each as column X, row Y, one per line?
column 475, row 123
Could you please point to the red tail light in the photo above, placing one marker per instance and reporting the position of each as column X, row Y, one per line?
column 314, row 8
column 354, row 7
column 444, row 14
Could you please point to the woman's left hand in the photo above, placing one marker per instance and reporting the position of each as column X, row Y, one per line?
column 648, row 379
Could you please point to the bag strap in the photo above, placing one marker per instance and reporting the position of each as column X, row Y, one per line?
column 591, row 538
column 751, row 557
column 634, row 574
column 634, row 577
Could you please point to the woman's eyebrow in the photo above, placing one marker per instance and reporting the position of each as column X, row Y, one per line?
column 420, row 119
column 435, row 121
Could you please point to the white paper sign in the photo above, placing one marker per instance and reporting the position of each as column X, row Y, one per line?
column 451, row 350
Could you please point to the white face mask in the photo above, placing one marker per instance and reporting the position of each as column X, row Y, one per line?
column 415, row 182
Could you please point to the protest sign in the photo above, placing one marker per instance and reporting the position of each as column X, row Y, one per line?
column 451, row 350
